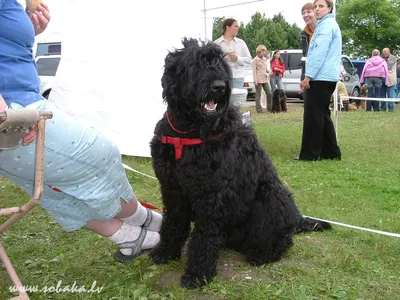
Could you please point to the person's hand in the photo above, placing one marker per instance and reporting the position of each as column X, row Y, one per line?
column 30, row 137
column 40, row 18
column 233, row 56
column 256, row 83
column 305, row 83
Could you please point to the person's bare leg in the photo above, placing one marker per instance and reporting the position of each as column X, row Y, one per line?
column 105, row 228
column 135, row 214
column 128, row 209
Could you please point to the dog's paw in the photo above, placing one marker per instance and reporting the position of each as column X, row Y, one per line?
column 192, row 282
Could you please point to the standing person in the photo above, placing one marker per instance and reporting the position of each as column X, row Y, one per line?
column 376, row 72
column 322, row 74
column 277, row 68
column 307, row 11
column 387, row 90
column 237, row 53
column 85, row 185
column 260, row 76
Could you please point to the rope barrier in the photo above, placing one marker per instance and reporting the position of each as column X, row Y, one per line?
column 359, row 228
column 332, row 222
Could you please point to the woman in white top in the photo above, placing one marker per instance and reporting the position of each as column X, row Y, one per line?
column 237, row 53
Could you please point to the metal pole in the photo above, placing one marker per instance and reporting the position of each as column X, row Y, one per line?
column 205, row 21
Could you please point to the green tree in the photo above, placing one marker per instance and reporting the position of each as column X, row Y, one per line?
column 217, row 27
column 369, row 24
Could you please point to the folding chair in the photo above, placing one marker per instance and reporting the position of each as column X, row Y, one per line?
column 13, row 124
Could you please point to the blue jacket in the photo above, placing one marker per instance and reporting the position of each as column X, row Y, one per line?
column 325, row 51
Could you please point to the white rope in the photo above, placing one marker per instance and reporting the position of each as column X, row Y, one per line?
column 136, row 171
column 373, row 99
column 357, row 227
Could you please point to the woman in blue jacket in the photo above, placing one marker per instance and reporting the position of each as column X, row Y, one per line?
column 322, row 74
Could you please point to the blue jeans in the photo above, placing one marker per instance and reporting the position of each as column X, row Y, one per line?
column 374, row 91
column 387, row 92
column 276, row 81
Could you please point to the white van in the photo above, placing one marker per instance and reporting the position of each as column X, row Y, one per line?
column 292, row 75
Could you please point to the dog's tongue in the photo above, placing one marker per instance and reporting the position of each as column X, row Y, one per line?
column 210, row 105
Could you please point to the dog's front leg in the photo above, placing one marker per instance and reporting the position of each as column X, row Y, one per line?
column 203, row 253
column 174, row 230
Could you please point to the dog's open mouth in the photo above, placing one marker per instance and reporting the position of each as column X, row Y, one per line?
column 210, row 106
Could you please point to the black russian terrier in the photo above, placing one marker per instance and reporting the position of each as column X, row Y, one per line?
column 279, row 101
column 213, row 171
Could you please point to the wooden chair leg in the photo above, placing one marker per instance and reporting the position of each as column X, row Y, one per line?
column 19, row 212
column 13, row 275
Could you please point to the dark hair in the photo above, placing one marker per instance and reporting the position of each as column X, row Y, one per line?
column 227, row 23
column 329, row 3
column 281, row 61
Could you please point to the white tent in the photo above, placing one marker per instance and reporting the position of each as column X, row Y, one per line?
column 112, row 62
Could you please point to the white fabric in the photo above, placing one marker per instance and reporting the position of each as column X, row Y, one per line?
column 112, row 62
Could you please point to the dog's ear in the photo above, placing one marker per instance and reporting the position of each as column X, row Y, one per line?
column 168, row 82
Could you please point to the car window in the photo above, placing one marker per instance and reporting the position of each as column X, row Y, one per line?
column 294, row 62
column 347, row 65
column 48, row 49
column 47, row 66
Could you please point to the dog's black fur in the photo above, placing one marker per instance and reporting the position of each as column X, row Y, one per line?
column 228, row 185
column 279, row 101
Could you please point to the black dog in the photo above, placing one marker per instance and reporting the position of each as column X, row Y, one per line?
column 279, row 101
column 213, row 171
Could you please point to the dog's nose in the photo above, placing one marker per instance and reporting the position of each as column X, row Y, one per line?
column 218, row 86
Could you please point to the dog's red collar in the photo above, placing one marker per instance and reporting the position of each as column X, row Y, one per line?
column 179, row 143
column 172, row 126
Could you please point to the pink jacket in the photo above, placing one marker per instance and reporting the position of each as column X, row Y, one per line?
column 376, row 66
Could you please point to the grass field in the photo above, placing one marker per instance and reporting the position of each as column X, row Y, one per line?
column 363, row 189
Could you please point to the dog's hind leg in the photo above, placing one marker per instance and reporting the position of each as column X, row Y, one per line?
column 203, row 253
column 271, row 226
column 174, row 230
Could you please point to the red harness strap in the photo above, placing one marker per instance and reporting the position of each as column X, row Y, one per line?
column 179, row 143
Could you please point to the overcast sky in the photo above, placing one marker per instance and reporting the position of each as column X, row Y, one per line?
column 242, row 12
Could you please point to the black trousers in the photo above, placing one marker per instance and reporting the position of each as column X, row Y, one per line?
column 319, row 138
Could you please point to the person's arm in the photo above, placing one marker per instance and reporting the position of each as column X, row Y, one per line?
column 318, row 51
column 363, row 72
column 282, row 68
column 244, row 55
column 40, row 18
column 386, row 72
column 254, row 66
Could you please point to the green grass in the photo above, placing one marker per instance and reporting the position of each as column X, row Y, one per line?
column 363, row 189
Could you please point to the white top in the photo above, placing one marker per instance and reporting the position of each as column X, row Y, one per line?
column 240, row 48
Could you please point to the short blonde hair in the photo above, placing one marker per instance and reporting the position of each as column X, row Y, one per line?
column 260, row 48
column 376, row 52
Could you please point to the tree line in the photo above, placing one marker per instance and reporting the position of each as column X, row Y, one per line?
column 365, row 25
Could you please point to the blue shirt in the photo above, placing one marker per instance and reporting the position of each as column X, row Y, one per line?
column 325, row 52
column 19, row 81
